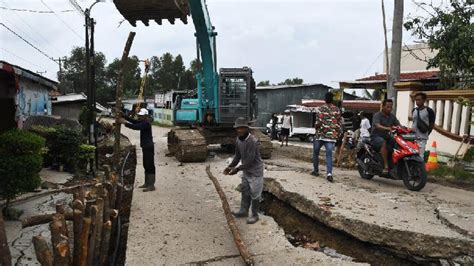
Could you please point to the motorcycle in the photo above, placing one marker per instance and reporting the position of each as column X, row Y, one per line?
column 407, row 162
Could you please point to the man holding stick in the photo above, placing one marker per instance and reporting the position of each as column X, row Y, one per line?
column 146, row 142
column 248, row 153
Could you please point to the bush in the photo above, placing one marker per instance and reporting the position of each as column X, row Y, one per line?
column 21, row 159
column 66, row 147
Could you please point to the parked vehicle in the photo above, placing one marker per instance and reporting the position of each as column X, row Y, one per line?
column 407, row 163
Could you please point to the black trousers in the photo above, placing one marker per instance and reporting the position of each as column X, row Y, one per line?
column 149, row 160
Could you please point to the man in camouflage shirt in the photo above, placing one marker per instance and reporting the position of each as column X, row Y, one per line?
column 328, row 129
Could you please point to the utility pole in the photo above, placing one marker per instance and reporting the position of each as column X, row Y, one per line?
column 387, row 68
column 396, row 51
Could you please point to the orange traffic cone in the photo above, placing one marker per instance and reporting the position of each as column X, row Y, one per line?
column 433, row 158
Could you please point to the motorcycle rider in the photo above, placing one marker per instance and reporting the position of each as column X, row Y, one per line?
column 383, row 122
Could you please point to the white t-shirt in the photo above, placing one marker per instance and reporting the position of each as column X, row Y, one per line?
column 364, row 128
column 286, row 121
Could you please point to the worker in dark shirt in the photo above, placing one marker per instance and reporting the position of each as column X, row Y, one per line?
column 383, row 122
column 146, row 142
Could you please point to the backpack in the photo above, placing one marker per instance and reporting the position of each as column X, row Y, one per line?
column 421, row 125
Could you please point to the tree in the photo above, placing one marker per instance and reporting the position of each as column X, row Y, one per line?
column 131, row 79
column 73, row 77
column 168, row 73
column 294, row 81
column 448, row 29
column 264, row 83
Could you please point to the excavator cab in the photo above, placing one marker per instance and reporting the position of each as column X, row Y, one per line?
column 237, row 96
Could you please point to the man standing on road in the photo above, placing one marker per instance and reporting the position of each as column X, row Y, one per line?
column 248, row 153
column 383, row 122
column 328, row 128
column 286, row 127
column 364, row 130
column 423, row 121
column 146, row 142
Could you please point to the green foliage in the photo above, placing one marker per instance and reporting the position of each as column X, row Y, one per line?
column 264, row 83
column 457, row 173
column 131, row 79
column 66, row 147
column 449, row 30
column 20, row 162
column 293, row 81
column 73, row 78
column 86, row 151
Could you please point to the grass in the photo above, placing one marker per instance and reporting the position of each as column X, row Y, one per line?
column 456, row 173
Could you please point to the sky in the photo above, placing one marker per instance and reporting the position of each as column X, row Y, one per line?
column 320, row 41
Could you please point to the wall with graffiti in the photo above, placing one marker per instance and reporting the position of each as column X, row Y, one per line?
column 32, row 99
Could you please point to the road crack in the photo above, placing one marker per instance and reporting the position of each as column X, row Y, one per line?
column 215, row 259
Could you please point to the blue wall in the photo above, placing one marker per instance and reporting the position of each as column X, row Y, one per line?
column 32, row 99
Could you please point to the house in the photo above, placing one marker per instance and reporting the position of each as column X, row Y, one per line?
column 69, row 106
column 274, row 99
column 23, row 93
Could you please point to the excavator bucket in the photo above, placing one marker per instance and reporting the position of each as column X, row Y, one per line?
column 157, row 10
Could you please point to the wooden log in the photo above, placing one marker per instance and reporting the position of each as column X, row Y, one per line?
column 341, row 150
column 244, row 253
column 106, row 205
column 105, row 244
column 118, row 100
column 5, row 256
column 43, row 219
column 58, row 234
column 77, row 227
column 63, row 251
column 84, row 242
column 61, row 208
column 78, row 205
column 111, row 187
column 92, row 233
column 42, row 251
column 99, row 223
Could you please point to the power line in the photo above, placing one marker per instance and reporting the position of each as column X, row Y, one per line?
column 34, row 30
column 77, row 6
column 64, row 22
column 21, row 58
column 36, row 48
column 34, row 11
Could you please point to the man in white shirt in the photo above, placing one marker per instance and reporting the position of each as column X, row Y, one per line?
column 286, row 127
column 364, row 129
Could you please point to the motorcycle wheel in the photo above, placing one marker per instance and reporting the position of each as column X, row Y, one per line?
column 364, row 174
column 415, row 178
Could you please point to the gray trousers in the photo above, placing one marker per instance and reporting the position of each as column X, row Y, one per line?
column 422, row 143
column 252, row 186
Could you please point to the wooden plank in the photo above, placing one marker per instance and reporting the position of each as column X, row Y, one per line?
column 244, row 253
column 42, row 251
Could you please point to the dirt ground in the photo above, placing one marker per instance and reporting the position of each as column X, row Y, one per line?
column 182, row 221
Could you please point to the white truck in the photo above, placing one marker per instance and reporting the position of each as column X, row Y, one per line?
column 303, row 122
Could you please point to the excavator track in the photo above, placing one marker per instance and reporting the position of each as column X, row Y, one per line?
column 187, row 145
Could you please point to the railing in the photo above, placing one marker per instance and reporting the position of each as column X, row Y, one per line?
column 453, row 119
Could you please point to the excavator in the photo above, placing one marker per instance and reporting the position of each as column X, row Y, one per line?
column 221, row 96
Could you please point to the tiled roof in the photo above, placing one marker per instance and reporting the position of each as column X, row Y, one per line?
column 406, row 76
column 348, row 104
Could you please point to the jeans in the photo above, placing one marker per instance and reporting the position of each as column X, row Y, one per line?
column 422, row 144
column 316, row 148
column 252, row 186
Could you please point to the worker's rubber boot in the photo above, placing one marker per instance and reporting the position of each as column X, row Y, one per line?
column 255, row 208
column 150, row 185
column 244, row 207
column 147, row 181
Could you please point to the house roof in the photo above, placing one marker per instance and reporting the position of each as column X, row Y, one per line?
column 75, row 97
column 348, row 104
column 406, row 76
column 277, row 87
column 28, row 74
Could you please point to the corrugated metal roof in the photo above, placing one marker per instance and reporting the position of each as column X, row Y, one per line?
column 28, row 74
column 277, row 87
column 72, row 97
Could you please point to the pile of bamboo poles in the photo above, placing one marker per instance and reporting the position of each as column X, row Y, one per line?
column 82, row 231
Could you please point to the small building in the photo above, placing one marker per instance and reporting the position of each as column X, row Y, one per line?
column 274, row 99
column 69, row 106
column 23, row 93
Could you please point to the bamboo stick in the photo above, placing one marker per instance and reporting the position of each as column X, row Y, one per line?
column 93, row 231
column 43, row 219
column 84, row 242
column 99, row 223
column 63, row 252
column 42, row 251
column 244, row 253
column 58, row 234
column 78, row 221
column 104, row 246
column 118, row 100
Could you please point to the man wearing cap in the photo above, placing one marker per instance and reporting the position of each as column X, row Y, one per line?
column 248, row 153
column 146, row 142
